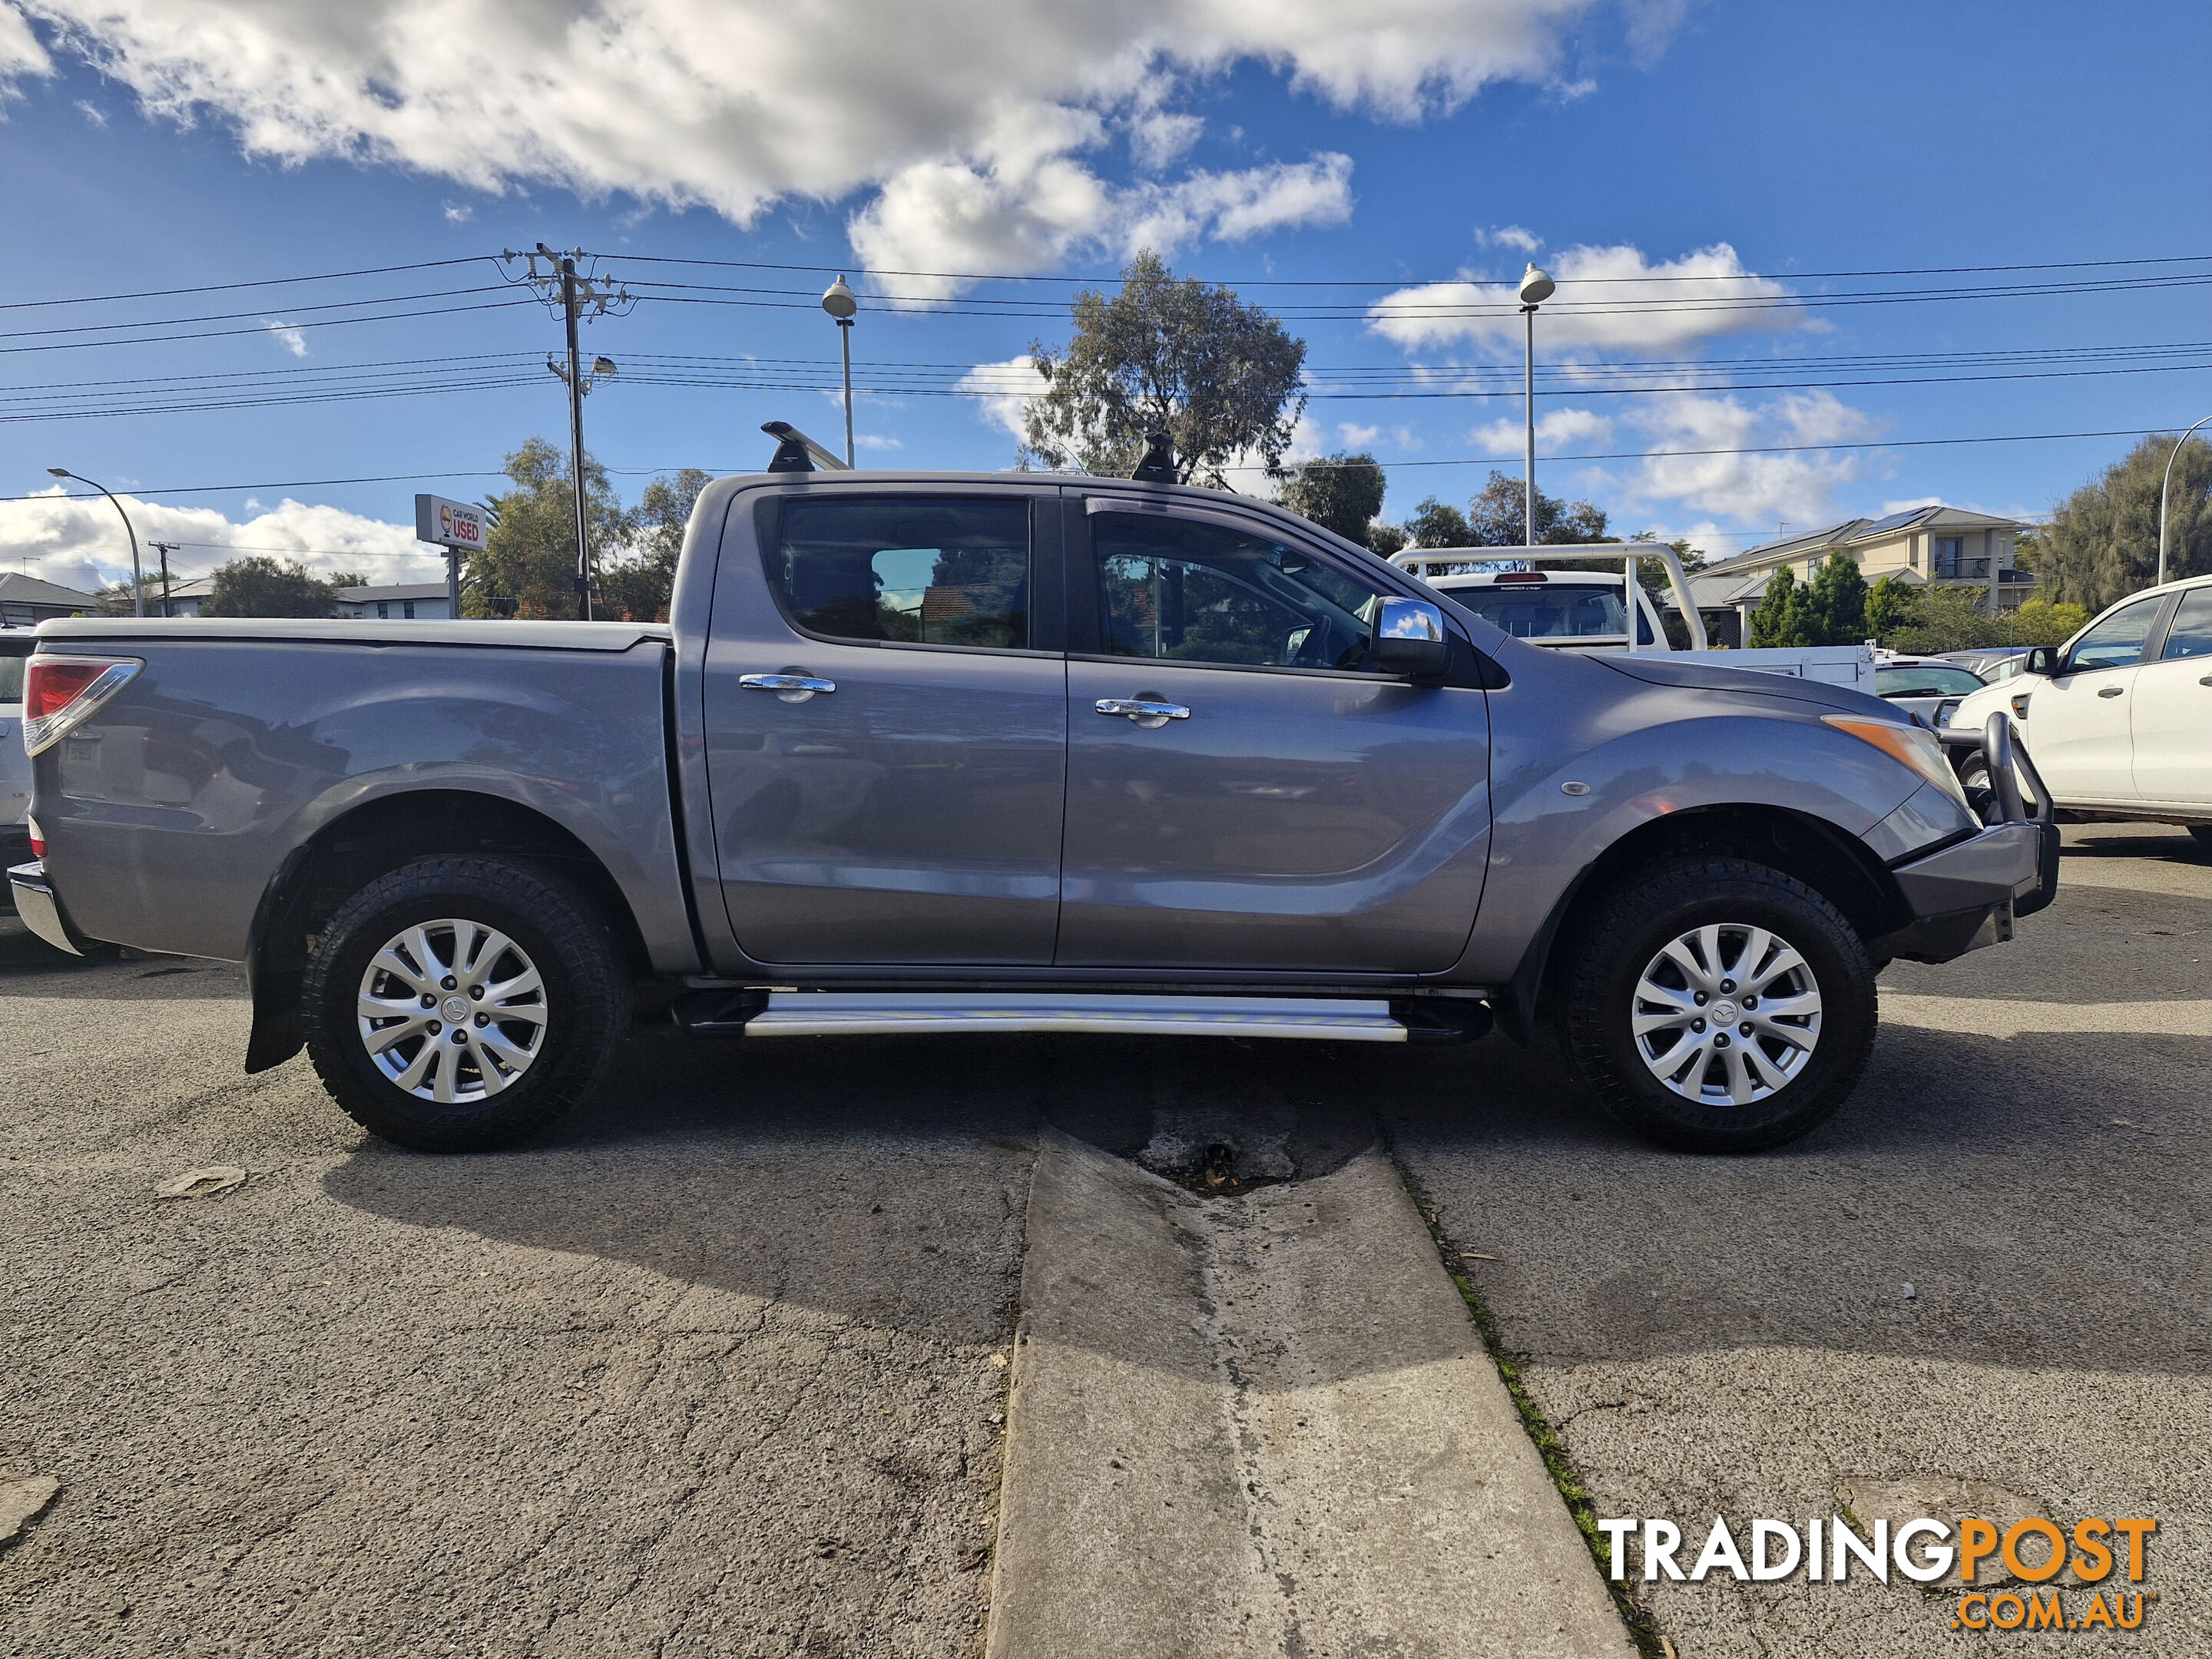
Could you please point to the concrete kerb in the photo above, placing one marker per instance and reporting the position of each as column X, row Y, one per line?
column 1266, row 1425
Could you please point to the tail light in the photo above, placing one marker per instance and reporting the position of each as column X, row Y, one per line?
column 38, row 838
column 61, row 693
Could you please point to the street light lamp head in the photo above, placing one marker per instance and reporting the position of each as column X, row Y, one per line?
column 61, row 472
column 839, row 302
column 1536, row 286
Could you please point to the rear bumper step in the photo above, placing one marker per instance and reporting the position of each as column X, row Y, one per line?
column 840, row 1013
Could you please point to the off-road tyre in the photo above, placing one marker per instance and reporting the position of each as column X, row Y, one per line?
column 558, row 932
column 1629, row 927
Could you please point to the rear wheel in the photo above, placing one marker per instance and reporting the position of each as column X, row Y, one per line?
column 460, row 1003
column 1716, row 1005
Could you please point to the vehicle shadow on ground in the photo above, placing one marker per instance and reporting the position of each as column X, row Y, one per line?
column 882, row 1180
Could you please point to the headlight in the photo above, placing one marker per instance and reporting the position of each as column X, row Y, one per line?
column 1909, row 744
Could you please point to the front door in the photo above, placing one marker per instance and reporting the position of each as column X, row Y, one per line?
column 2077, row 721
column 886, row 723
column 1245, row 791
column 2172, row 718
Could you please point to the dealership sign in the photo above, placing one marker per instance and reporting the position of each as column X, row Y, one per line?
column 449, row 524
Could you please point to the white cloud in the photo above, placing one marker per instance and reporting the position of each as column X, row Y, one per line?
column 1157, row 138
column 288, row 337
column 92, row 112
column 1555, row 430
column 1797, row 487
column 1609, row 299
column 1001, row 391
column 80, row 543
column 21, row 54
column 459, row 213
column 1512, row 236
column 1030, row 206
column 733, row 104
column 872, row 440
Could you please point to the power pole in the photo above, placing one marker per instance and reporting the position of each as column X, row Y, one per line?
column 572, row 296
column 165, row 549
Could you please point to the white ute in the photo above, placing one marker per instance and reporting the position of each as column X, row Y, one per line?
column 2119, row 718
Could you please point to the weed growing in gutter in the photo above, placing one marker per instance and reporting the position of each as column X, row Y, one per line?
column 1549, row 1447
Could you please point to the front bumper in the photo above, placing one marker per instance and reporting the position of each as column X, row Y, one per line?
column 40, row 909
column 1968, row 895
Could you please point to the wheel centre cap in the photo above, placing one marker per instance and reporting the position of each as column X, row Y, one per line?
column 457, row 1009
column 1724, row 1011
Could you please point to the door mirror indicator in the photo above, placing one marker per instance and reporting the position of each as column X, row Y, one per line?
column 2042, row 660
column 1409, row 640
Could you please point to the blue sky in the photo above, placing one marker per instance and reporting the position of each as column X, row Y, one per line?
column 149, row 145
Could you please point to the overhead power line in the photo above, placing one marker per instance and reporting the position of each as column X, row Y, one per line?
column 143, row 493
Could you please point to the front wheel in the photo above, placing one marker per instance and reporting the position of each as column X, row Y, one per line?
column 1718, row 1005
column 459, row 1004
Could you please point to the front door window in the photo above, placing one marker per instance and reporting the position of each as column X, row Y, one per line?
column 1183, row 591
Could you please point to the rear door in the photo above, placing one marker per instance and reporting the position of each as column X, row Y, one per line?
column 2172, row 718
column 2078, row 721
column 1303, row 811
column 886, row 725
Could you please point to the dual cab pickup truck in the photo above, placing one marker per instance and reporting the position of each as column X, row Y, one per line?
column 1002, row 751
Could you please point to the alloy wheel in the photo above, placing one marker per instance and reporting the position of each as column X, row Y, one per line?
column 451, row 1010
column 1727, row 1014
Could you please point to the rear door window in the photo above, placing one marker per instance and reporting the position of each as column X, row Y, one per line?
column 910, row 570
column 2189, row 634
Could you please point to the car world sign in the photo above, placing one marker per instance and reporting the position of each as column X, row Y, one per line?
column 448, row 524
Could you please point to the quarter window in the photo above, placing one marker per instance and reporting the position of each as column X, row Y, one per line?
column 914, row 570
column 1180, row 591
column 2190, row 632
column 2116, row 642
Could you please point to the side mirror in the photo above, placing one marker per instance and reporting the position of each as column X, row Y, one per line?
column 1410, row 639
column 2041, row 660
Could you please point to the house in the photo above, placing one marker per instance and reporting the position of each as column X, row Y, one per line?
column 26, row 601
column 1942, row 546
column 415, row 601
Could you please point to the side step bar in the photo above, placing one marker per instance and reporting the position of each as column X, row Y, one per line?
column 842, row 1013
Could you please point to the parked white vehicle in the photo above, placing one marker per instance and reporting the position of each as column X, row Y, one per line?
column 2119, row 718
column 1587, row 610
column 15, row 645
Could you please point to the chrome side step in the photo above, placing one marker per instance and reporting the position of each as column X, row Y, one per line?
column 840, row 1013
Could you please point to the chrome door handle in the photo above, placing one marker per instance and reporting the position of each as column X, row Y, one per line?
column 788, row 688
column 1142, row 710
column 2110, row 691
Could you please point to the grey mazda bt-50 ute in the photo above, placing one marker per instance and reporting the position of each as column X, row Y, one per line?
column 1004, row 751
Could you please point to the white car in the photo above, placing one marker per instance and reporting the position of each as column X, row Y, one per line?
column 15, row 646
column 2119, row 718
column 1574, row 610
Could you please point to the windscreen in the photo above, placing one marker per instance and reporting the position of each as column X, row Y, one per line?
column 1926, row 680
column 1553, row 611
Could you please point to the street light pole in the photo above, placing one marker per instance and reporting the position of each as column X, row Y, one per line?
column 837, row 300
column 137, row 577
column 1536, row 287
column 2165, row 484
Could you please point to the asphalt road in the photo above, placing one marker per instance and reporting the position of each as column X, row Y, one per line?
column 711, row 1370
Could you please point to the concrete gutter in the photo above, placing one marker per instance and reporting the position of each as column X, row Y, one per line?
column 1264, row 1425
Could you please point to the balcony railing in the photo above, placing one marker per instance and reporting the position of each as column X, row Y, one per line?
column 1978, row 570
